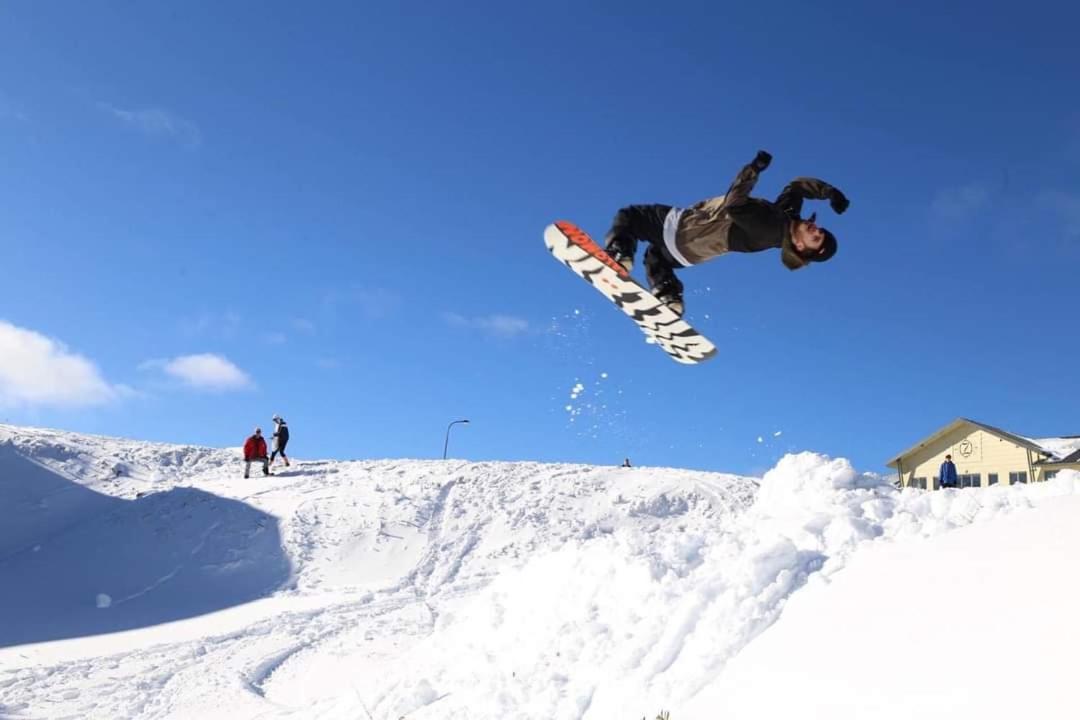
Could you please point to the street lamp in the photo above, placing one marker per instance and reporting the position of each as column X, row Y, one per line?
column 447, row 442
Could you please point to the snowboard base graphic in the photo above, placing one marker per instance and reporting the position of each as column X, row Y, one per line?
column 575, row 249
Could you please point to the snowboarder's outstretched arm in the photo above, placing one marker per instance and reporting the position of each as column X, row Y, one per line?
column 791, row 198
column 747, row 178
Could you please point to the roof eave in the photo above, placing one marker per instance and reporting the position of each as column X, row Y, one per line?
column 960, row 422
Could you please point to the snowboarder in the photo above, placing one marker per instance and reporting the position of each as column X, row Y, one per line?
column 254, row 450
column 280, row 439
column 734, row 222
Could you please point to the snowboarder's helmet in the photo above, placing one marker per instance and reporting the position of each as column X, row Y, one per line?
column 258, row 431
column 276, row 417
column 828, row 248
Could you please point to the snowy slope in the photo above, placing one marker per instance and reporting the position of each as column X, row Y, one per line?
column 146, row 580
column 980, row 623
column 362, row 556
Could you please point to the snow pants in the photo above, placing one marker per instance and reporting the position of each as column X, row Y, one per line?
column 265, row 463
column 279, row 449
column 646, row 222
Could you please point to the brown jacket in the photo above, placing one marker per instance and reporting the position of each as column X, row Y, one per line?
column 736, row 222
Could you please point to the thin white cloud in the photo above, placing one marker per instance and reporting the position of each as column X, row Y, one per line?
column 277, row 337
column 11, row 110
column 1068, row 209
column 224, row 325
column 499, row 325
column 960, row 203
column 205, row 371
column 303, row 325
column 156, row 122
column 373, row 303
column 38, row 371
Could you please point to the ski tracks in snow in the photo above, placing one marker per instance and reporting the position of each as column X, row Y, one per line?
column 379, row 551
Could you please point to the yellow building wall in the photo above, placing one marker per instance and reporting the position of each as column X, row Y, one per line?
column 973, row 450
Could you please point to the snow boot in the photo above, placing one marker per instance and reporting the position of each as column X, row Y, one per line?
column 674, row 302
column 669, row 292
column 619, row 255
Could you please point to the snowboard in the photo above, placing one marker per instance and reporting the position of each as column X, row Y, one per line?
column 574, row 248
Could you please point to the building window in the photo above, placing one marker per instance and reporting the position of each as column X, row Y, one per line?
column 1017, row 477
column 937, row 482
column 991, row 479
column 919, row 482
column 971, row 480
column 1050, row 474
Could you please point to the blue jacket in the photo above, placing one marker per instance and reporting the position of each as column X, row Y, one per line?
column 947, row 473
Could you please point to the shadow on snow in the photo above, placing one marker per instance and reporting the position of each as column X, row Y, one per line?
column 75, row 562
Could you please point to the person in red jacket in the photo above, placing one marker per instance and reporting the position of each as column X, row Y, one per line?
column 255, row 449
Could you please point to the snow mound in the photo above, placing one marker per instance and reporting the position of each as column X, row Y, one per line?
column 81, row 555
column 981, row 623
column 615, row 625
column 446, row 589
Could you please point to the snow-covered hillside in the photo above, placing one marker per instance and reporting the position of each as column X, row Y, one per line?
column 153, row 581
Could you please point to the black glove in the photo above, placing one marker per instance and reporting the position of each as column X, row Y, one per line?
column 839, row 202
column 761, row 161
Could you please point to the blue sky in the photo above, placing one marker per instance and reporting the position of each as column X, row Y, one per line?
column 214, row 212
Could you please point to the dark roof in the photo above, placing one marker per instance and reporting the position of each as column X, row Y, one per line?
column 1068, row 459
column 959, row 422
column 1022, row 441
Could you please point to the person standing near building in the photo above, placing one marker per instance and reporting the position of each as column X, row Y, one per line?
column 254, row 451
column 281, row 439
column 947, row 473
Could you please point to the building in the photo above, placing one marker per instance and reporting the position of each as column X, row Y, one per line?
column 985, row 455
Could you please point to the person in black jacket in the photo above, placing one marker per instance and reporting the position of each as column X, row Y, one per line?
column 733, row 222
column 281, row 439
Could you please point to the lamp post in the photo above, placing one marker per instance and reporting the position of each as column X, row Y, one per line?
column 446, row 444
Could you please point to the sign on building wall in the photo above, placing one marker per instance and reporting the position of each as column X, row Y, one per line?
column 970, row 449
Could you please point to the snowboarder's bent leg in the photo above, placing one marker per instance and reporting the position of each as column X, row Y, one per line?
column 660, row 271
column 631, row 224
